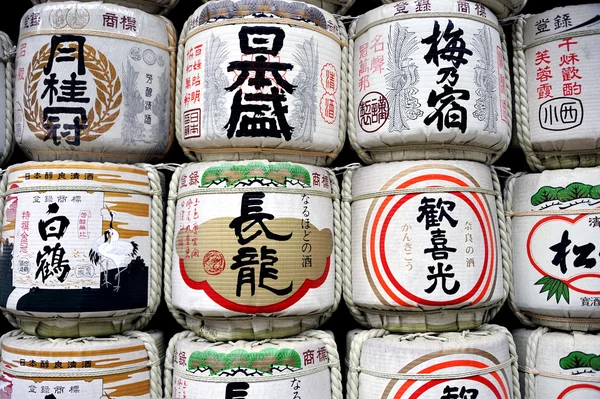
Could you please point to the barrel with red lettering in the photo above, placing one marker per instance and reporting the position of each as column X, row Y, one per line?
column 554, row 220
column 262, row 80
column 429, row 80
column 557, row 88
column 120, row 366
column 561, row 365
column 502, row 8
column 251, row 250
column 7, row 66
column 480, row 363
column 425, row 245
column 151, row 6
column 94, row 83
column 304, row 366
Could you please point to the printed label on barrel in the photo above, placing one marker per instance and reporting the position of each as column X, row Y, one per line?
column 75, row 250
column 262, row 84
column 258, row 363
column 80, row 92
column 254, row 251
column 433, row 249
column 430, row 75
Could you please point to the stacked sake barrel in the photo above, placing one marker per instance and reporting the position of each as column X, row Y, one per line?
column 253, row 222
column 82, row 237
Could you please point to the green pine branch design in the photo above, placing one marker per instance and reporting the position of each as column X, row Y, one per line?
column 555, row 288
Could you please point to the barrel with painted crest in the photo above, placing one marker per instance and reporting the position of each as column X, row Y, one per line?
column 262, row 79
column 429, row 83
column 119, row 366
column 556, row 87
column 81, row 247
column 306, row 365
column 501, row 8
column 472, row 364
column 96, row 83
column 554, row 221
column 251, row 250
column 424, row 245
column 558, row 365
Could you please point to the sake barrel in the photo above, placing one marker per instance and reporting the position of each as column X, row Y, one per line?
column 557, row 87
column 151, row 6
column 554, row 222
column 424, row 245
column 7, row 60
column 478, row 364
column 501, row 8
column 95, row 82
column 250, row 248
column 304, row 366
column 558, row 365
column 429, row 83
column 120, row 366
column 81, row 251
column 262, row 79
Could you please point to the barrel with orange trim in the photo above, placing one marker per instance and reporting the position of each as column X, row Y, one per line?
column 480, row 364
column 81, row 249
column 558, row 365
column 423, row 245
column 119, row 366
column 554, row 220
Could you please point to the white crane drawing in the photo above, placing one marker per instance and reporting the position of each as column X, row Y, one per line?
column 110, row 252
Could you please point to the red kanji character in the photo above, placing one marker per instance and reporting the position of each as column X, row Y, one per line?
column 571, row 89
column 568, row 59
column 544, row 74
column 544, row 91
column 568, row 43
column 542, row 56
column 570, row 73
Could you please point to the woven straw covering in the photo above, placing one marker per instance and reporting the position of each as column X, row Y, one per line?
column 221, row 218
column 553, row 219
column 425, row 245
column 296, row 112
column 110, row 98
column 332, row 6
column 118, row 366
column 400, row 84
column 558, row 364
column 82, row 247
column 502, row 8
column 306, row 365
column 7, row 67
column 151, row 6
column 480, row 363
column 556, row 87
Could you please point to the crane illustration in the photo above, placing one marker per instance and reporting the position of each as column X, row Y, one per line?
column 110, row 252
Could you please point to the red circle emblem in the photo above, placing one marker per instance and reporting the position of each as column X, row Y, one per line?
column 214, row 263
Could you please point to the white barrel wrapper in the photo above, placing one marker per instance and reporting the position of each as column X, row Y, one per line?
column 151, row 6
column 502, row 8
column 558, row 87
column 304, row 366
column 252, row 248
column 93, row 83
column 425, row 253
column 81, row 247
column 119, row 366
column 262, row 79
column 7, row 67
column 471, row 364
column 555, row 220
column 429, row 82
column 558, row 365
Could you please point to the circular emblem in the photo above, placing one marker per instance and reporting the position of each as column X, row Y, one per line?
column 78, row 18
column 149, row 57
column 135, row 53
column 58, row 18
column 214, row 263
column 373, row 112
column 24, row 266
column 160, row 60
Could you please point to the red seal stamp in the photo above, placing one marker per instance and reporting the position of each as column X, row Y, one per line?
column 214, row 263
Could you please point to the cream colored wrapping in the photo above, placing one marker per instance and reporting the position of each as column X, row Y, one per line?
column 151, row 6
column 252, row 248
column 556, row 86
column 558, row 365
column 411, row 100
column 332, row 6
column 502, row 8
column 296, row 112
column 81, row 247
column 7, row 67
column 481, row 363
column 306, row 365
column 555, row 228
column 425, row 245
column 94, row 82
column 119, row 366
